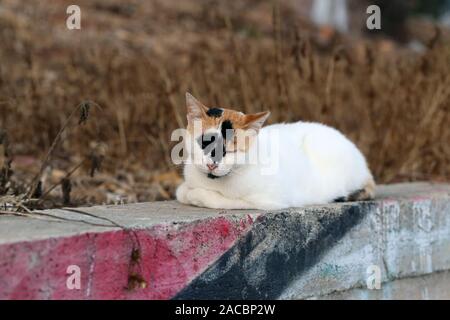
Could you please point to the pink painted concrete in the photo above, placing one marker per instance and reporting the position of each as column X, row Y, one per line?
column 170, row 257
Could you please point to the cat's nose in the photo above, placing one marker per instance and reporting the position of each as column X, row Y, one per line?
column 212, row 166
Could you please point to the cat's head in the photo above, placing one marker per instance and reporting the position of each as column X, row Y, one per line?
column 218, row 138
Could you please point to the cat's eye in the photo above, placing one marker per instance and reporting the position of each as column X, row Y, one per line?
column 206, row 139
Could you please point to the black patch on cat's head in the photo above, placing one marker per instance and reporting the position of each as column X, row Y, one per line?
column 206, row 140
column 209, row 143
column 216, row 157
column 214, row 112
column 226, row 125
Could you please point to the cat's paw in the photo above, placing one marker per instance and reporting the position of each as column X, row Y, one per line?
column 198, row 197
column 182, row 192
column 209, row 199
column 194, row 196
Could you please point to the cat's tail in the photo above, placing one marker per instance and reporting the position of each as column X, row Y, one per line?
column 364, row 194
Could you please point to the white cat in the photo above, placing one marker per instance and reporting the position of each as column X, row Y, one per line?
column 234, row 163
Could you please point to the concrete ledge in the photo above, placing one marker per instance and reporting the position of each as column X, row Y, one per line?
column 434, row 286
column 407, row 235
column 165, row 250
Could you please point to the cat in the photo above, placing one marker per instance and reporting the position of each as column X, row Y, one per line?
column 294, row 165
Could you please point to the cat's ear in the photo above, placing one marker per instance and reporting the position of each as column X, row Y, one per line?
column 255, row 121
column 195, row 109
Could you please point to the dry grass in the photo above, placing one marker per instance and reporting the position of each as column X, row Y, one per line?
column 394, row 105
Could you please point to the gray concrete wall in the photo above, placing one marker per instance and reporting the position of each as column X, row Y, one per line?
column 434, row 286
column 406, row 236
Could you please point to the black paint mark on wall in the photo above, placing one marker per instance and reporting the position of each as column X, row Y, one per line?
column 285, row 246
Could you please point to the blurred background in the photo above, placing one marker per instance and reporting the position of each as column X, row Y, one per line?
column 86, row 115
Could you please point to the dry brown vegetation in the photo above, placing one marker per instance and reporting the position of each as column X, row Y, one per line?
column 394, row 105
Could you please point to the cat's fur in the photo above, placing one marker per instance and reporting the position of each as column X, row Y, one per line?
column 314, row 164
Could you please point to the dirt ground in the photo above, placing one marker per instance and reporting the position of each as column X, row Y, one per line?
column 86, row 115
